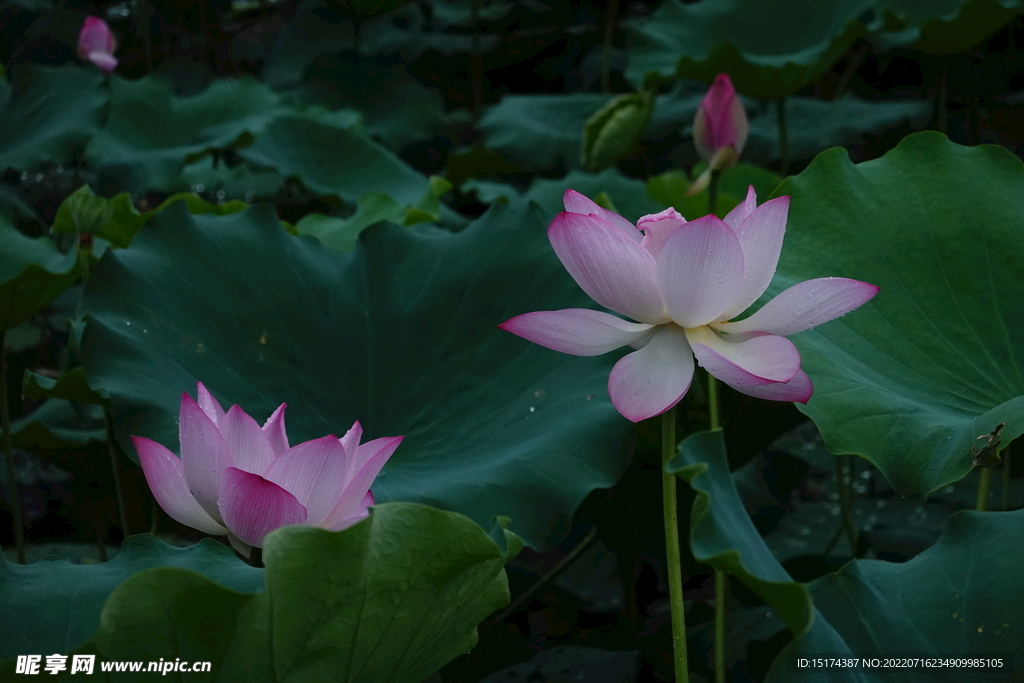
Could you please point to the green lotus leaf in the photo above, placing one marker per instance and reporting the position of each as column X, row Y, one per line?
column 940, row 27
column 911, row 380
column 32, row 273
column 54, row 606
column 392, row 598
column 400, row 334
column 151, row 133
column 958, row 598
column 41, row 127
column 770, row 50
column 722, row 535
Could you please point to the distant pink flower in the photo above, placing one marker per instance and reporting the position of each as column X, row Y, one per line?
column 237, row 479
column 682, row 282
column 96, row 44
column 719, row 129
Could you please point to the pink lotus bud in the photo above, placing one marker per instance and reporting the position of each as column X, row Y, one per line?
column 720, row 125
column 96, row 44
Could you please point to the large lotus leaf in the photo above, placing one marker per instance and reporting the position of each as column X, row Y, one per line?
column 960, row 597
column 32, row 273
column 332, row 160
column 540, row 131
column 392, row 598
column 912, row 379
column 941, row 27
column 54, row 606
column 722, row 535
column 397, row 108
column 401, row 335
column 770, row 50
column 151, row 133
column 814, row 125
column 49, row 114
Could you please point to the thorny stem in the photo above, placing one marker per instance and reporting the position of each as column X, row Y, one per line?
column 713, row 195
column 12, row 479
column 844, row 487
column 675, row 570
column 1004, row 504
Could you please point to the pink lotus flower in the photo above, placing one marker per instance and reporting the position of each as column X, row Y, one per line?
column 682, row 282
column 237, row 479
column 719, row 130
column 96, row 44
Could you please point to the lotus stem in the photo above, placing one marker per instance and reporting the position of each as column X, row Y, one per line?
column 713, row 411
column 983, row 486
column 675, row 573
column 476, row 61
column 712, row 205
column 1004, row 504
column 720, row 578
column 12, row 477
column 118, row 490
column 549, row 576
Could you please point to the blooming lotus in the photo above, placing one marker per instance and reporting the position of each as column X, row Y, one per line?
column 96, row 44
column 719, row 129
column 238, row 479
column 683, row 282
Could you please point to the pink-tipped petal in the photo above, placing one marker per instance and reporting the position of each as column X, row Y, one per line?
column 760, row 236
column 105, row 61
column 648, row 382
column 740, row 212
column 209, row 404
column 798, row 389
column 700, row 271
column 166, row 480
column 275, row 431
column 805, row 305
column 369, row 461
column 350, row 442
column 758, row 360
column 657, row 227
column 575, row 202
column 361, row 512
column 249, row 447
column 204, row 454
column 252, row 506
column 313, row 472
column 576, row 331
column 614, row 270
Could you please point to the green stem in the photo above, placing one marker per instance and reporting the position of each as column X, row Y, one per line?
column 713, row 414
column 1004, row 504
column 675, row 569
column 550, row 575
column 713, row 403
column 118, row 491
column 713, row 192
column 719, row 626
column 783, row 137
column 983, row 486
column 940, row 103
column 12, row 477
